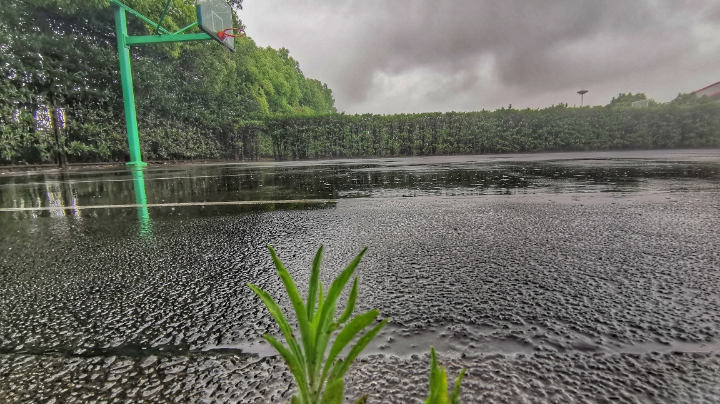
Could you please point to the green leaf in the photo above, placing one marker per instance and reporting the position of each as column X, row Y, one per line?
column 328, row 310
column 435, row 383
column 334, row 392
column 321, row 297
column 313, row 286
column 279, row 317
column 336, row 288
column 351, row 303
column 274, row 310
column 321, row 303
column 441, row 386
column 455, row 395
column 438, row 383
column 338, row 371
column 299, row 306
column 433, row 367
column 335, row 369
column 292, row 362
column 346, row 335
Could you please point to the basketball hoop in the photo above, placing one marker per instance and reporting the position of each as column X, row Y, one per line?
column 225, row 34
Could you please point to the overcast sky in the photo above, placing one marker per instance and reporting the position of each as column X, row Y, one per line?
column 392, row 56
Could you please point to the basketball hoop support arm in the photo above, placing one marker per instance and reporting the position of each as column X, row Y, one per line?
column 148, row 39
column 124, row 43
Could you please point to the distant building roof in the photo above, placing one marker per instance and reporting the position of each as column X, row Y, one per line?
column 712, row 91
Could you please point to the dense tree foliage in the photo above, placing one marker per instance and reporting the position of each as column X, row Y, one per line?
column 690, row 99
column 625, row 100
column 194, row 99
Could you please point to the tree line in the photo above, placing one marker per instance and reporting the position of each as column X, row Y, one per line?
column 60, row 101
column 507, row 130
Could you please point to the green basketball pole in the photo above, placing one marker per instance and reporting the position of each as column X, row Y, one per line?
column 127, row 89
column 124, row 43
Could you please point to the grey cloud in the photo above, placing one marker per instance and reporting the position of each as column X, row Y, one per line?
column 526, row 38
column 420, row 55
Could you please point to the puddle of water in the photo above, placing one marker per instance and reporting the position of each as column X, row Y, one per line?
column 258, row 347
column 76, row 189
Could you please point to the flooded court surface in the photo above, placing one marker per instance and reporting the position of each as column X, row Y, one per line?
column 572, row 277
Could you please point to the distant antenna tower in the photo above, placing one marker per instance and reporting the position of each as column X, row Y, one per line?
column 582, row 94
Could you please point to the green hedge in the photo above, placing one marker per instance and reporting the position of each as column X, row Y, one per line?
column 339, row 135
column 502, row 131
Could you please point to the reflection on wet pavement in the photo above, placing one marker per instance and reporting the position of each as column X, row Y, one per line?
column 59, row 193
column 576, row 280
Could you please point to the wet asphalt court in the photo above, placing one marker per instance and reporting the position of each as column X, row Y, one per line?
column 572, row 277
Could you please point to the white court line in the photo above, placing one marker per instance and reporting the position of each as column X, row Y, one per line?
column 161, row 205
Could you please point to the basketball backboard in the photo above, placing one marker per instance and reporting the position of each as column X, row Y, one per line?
column 215, row 16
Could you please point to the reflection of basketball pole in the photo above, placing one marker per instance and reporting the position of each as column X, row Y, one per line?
column 582, row 94
column 124, row 42
column 138, row 174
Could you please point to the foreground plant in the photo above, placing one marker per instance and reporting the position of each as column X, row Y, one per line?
column 439, row 385
column 319, row 377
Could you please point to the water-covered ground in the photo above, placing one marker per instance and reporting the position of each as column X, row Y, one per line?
column 583, row 277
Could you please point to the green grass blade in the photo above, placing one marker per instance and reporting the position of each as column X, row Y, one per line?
column 434, row 369
column 279, row 317
column 442, row 387
column 336, row 369
column 308, row 338
column 296, row 368
column 334, row 392
column 324, row 332
column 435, row 375
column 455, row 395
column 337, row 287
column 339, row 371
column 321, row 298
column 350, row 304
column 345, row 337
column 313, row 286
column 321, row 303
column 328, row 311
column 274, row 310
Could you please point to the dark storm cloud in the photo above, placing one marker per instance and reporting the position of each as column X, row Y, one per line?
column 420, row 55
column 536, row 45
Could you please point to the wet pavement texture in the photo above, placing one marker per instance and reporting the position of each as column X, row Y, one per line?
column 583, row 277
